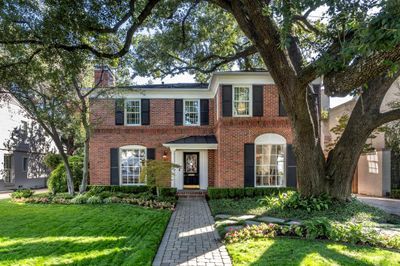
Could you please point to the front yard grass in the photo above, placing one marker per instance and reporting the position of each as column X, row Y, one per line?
column 354, row 211
column 286, row 251
column 115, row 234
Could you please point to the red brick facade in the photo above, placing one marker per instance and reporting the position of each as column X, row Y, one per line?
column 225, row 165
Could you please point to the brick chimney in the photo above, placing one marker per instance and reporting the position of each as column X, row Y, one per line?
column 103, row 76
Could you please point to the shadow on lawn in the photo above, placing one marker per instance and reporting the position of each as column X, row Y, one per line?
column 287, row 251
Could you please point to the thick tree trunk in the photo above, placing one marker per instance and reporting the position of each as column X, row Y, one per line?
column 68, row 171
column 85, row 170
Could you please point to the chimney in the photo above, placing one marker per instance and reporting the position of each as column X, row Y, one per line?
column 103, row 76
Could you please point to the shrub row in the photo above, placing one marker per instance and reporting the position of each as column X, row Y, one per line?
column 95, row 189
column 249, row 192
column 317, row 228
column 163, row 191
column 395, row 193
column 141, row 199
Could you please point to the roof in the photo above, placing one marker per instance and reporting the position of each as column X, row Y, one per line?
column 210, row 139
column 170, row 86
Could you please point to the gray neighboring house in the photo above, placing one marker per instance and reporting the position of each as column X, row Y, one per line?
column 23, row 145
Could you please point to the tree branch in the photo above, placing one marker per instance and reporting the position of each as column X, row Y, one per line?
column 83, row 46
column 343, row 82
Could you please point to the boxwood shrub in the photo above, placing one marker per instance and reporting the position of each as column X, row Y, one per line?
column 167, row 191
column 395, row 193
column 96, row 189
column 248, row 192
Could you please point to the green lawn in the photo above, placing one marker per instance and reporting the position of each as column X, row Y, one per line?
column 112, row 234
column 284, row 251
column 354, row 211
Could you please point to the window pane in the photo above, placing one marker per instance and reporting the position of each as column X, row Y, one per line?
column 133, row 112
column 270, row 165
column 192, row 112
column 131, row 164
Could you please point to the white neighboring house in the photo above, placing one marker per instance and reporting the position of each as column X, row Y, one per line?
column 23, row 145
column 374, row 175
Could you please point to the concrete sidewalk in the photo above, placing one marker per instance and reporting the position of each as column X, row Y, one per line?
column 388, row 205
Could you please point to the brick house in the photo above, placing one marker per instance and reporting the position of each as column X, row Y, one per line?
column 232, row 132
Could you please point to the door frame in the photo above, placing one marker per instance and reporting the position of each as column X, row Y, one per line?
column 197, row 186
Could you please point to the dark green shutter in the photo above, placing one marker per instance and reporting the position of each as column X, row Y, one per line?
column 119, row 112
column 114, row 166
column 282, row 110
column 226, row 100
column 204, row 112
column 249, row 164
column 178, row 112
column 258, row 97
column 291, row 179
column 145, row 112
column 151, row 153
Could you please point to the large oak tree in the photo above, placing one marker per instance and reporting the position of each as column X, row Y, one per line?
column 353, row 45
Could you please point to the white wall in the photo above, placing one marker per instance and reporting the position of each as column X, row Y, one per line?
column 11, row 116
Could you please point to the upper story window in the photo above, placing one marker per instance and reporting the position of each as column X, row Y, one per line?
column 241, row 101
column 132, row 112
column 131, row 162
column 191, row 112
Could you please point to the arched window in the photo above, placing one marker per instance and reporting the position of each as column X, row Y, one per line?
column 270, row 161
column 131, row 159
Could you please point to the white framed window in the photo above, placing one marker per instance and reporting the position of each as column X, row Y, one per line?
column 131, row 160
column 191, row 111
column 241, row 101
column 270, row 161
column 132, row 112
column 373, row 165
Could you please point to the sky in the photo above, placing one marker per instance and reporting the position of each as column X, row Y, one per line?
column 186, row 78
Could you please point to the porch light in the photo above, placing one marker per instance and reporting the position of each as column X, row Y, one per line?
column 165, row 155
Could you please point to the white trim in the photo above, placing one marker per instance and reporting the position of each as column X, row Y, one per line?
column 140, row 112
column 217, row 79
column 130, row 147
column 270, row 138
column 198, row 112
column 250, row 87
column 205, row 146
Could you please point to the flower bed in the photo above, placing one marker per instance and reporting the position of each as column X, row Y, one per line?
column 319, row 228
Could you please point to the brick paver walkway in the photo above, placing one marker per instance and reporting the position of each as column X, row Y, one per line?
column 190, row 238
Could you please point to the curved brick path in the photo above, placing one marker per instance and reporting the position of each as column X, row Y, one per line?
column 190, row 238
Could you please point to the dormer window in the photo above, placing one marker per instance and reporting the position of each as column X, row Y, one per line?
column 241, row 101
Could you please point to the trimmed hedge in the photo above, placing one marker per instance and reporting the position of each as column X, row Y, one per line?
column 395, row 193
column 167, row 191
column 124, row 189
column 248, row 192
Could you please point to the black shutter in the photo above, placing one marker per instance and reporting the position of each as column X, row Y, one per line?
column 291, row 180
column 119, row 112
column 249, row 164
column 178, row 112
column 258, row 97
column 114, row 166
column 151, row 154
column 145, row 108
column 226, row 100
column 282, row 111
column 204, row 112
